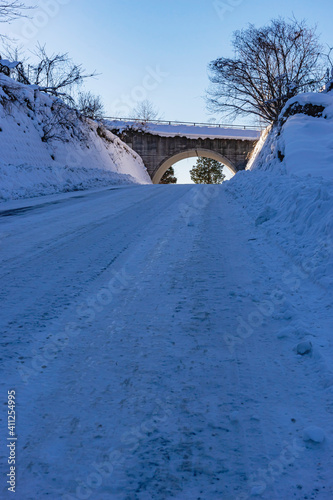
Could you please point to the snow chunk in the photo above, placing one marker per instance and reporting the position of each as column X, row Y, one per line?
column 234, row 417
column 304, row 348
column 9, row 64
column 314, row 433
column 258, row 489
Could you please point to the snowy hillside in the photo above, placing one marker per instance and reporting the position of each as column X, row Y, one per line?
column 45, row 150
column 289, row 188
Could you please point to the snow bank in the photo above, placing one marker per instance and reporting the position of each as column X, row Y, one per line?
column 288, row 188
column 301, row 143
column 80, row 155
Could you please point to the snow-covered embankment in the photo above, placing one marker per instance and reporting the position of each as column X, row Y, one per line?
column 45, row 148
column 289, row 186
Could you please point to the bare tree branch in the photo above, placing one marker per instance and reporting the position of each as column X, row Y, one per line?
column 57, row 74
column 9, row 11
column 271, row 65
column 90, row 106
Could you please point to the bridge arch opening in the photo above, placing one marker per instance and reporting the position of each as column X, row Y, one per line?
column 205, row 153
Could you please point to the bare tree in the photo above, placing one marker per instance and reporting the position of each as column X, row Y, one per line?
column 90, row 106
column 59, row 76
column 10, row 11
column 55, row 74
column 61, row 124
column 145, row 111
column 271, row 64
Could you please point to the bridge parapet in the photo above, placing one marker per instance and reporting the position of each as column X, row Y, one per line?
column 176, row 123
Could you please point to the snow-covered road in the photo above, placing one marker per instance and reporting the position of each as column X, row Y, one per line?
column 149, row 334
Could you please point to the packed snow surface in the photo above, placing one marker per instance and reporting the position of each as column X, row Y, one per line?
column 86, row 156
column 174, row 342
column 141, row 332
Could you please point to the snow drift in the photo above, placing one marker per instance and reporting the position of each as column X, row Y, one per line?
column 45, row 148
column 289, row 186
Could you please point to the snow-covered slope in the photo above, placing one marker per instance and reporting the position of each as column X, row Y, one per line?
column 302, row 142
column 45, row 149
column 289, row 186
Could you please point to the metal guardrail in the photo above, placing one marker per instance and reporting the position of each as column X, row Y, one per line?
column 193, row 124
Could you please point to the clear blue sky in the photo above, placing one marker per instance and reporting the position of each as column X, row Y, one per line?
column 126, row 40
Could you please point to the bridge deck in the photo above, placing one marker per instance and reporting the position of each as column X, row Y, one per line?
column 169, row 129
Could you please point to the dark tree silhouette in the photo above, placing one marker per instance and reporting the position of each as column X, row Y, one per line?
column 169, row 177
column 271, row 64
column 207, row 171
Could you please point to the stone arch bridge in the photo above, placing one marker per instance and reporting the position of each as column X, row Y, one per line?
column 162, row 144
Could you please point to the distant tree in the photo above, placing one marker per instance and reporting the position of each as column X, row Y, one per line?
column 271, row 64
column 145, row 111
column 207, row 171
column 90, row 106
column 169, row 177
